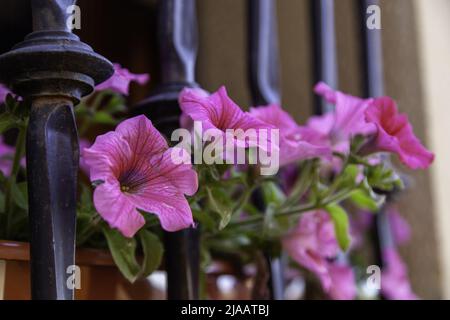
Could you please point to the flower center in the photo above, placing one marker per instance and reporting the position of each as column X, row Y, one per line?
column 131, row 181
column 124, row 188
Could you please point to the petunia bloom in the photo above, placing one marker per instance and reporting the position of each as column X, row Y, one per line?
column 394, row 277
column 312, row 242
column 134, row 167
column 343, row 282
column 395, row 134
column 120, row 80
column 345, row 122
column 296, row 142
column 218, row 113
column 400, row 228
column 3, row 93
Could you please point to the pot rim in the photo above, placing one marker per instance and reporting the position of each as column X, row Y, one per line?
column 20, row 251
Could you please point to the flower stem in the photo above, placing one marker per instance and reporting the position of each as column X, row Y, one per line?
column 338, row 197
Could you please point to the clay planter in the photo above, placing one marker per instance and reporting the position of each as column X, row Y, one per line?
column 100, row 278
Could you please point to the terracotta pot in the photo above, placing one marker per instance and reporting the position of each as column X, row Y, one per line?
column 101, row 280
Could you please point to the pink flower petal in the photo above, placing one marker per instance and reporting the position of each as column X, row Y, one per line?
column 399, row 226
column 3, row 93
column 394, row 277
column 218, row 112
column 343, row 284
column 109, row 153
column 296, row 143
column 139, row 173
column 346, row 121
column 395, row 134
column 142, row 137
column 117, row 209
column 312, row 242
column 120, row 80
column 323, row 123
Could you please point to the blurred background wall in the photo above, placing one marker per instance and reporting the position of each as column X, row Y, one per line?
column 416, row 40
column 433, row 28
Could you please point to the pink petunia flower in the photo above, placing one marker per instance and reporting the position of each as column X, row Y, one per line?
column 136, row 168
column 3, row 93
column 400, row 228
column 312, row 243
column 395, row 134
column 343, row 282
column 218, row 113
column 120, row 80
column 394, row 277
column 345, row 122
column 296, row 142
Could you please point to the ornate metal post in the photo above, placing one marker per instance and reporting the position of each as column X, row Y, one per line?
column 265, row 87
column 177, row 39
column 375, row 88
column 325, row 49
column 52, row 69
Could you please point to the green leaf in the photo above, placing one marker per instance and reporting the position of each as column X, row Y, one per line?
column 103, row 118
column 123, row 251
column 20, row 194
column 115, row 104
column 364, row 201
column 272, row 194
column 219, row 202
column 153, row 252
column 341, row 224
column 383, row 178
column 7, row 121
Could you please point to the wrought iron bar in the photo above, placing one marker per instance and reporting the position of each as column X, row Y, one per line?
column 375, row 88
column 265, row 87
column 53, row 70
column 325, row 49
column 177, row 40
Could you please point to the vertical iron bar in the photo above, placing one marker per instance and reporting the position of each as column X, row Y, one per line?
column 265, row 88
column 326, row 68
column 325, row 49
column 375, row 88
column 177, row 41
column 53, row 70
column 52, row 167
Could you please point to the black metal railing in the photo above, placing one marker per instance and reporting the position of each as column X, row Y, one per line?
column 264, row 71
column 177, row 42
column 374, row 87
column 52, row 69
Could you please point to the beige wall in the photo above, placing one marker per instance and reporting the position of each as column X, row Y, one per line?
column 433, row 25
